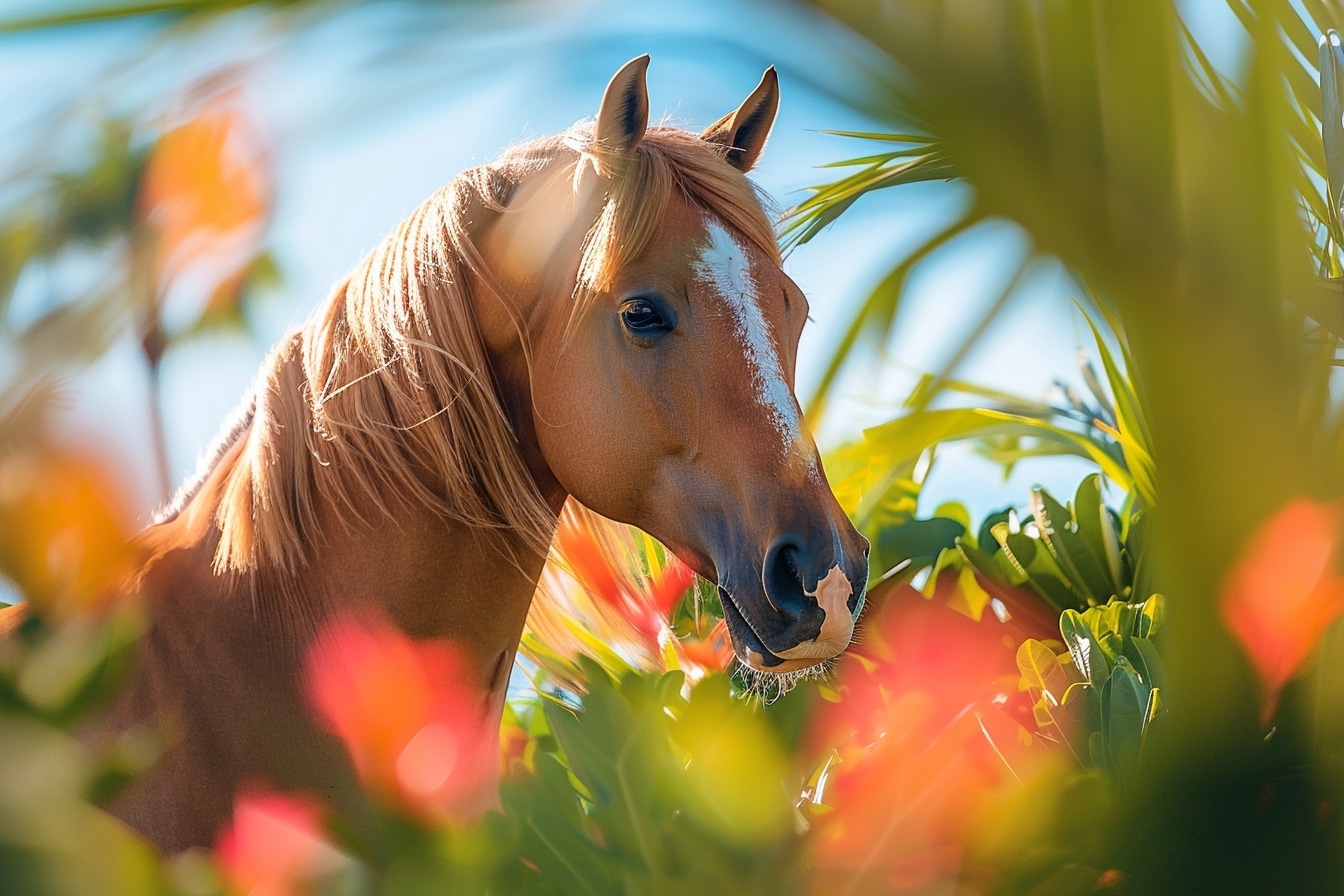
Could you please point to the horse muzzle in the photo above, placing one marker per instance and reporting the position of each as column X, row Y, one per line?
column 801, row 608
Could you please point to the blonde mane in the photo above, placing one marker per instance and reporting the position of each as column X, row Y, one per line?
column 385, row 395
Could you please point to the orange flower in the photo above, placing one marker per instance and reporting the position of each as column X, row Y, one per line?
column 206, row 194
column 1284, row 590
column 513, row 742
column 418, row 731
column 62, row 529
column 929, row 730
column 645, row 605
column 275, row 847
column 712, row 653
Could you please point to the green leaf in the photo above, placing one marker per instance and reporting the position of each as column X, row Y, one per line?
column 971, row 598
column 1131, row 429
column 1112, row 645
column 920, row 541
column 1041, row 670
column 551, row 836
column 985, row 539
column 1007, row 560
column 1331, row 56
column 1147, row 663
column 1150, row 621
column 617, row 750
column 1124, row 715
column 907, row 437
column 988, row 565
column 954, row 510
column 1087, row 654
column 1114, row 618
column 1086, row 574
column 1154, row 708
column 1096, row 528
column 1043, row 574
column 922, row 160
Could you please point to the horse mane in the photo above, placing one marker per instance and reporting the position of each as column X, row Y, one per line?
column 385, row 394
column 235, row 427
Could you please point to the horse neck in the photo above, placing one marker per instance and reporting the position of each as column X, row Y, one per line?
column 430, row 578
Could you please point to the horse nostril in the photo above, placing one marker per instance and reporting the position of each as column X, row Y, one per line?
column 784, row 580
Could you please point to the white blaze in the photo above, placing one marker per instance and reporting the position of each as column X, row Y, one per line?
column 724, row 265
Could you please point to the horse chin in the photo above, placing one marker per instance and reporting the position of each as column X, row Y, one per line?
column 752, row 653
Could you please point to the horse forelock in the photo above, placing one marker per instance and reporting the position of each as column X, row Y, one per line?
column 668, row 164
column 385, row 395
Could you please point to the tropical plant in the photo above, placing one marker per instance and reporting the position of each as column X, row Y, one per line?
column 1099, row 697
column 1190, row 203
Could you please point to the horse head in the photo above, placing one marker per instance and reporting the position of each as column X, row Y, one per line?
column 654, row 379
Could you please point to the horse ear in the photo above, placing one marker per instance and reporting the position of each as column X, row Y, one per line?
column 624, row 113
column 744, row 131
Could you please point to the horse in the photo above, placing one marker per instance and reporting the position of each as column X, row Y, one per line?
column 600, row 317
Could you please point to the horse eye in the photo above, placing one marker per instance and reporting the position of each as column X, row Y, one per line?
column 643, row 317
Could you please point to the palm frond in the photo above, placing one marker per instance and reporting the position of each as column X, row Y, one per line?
column 920, row 158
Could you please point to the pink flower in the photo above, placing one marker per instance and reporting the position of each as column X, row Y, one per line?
column 1284, row 590
column 275, row 847
column 927, row 732
column 418, row 729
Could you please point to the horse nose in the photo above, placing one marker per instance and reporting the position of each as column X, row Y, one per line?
column 814, row 596
column 783, row 579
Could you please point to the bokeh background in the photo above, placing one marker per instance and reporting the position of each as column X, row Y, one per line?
column 1075, row 269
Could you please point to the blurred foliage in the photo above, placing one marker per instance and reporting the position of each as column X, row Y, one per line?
column 80, row 211
column 150, row 216
column 1196, row 210
column 172, row 9
column 53, row 838
column 673, row 795
column 654, row 787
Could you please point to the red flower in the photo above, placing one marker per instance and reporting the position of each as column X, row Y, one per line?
column 608, row 592
column 417, row 728
column 644, row 605
column 275, row 847
column 1284, row 590
column 713, row 652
